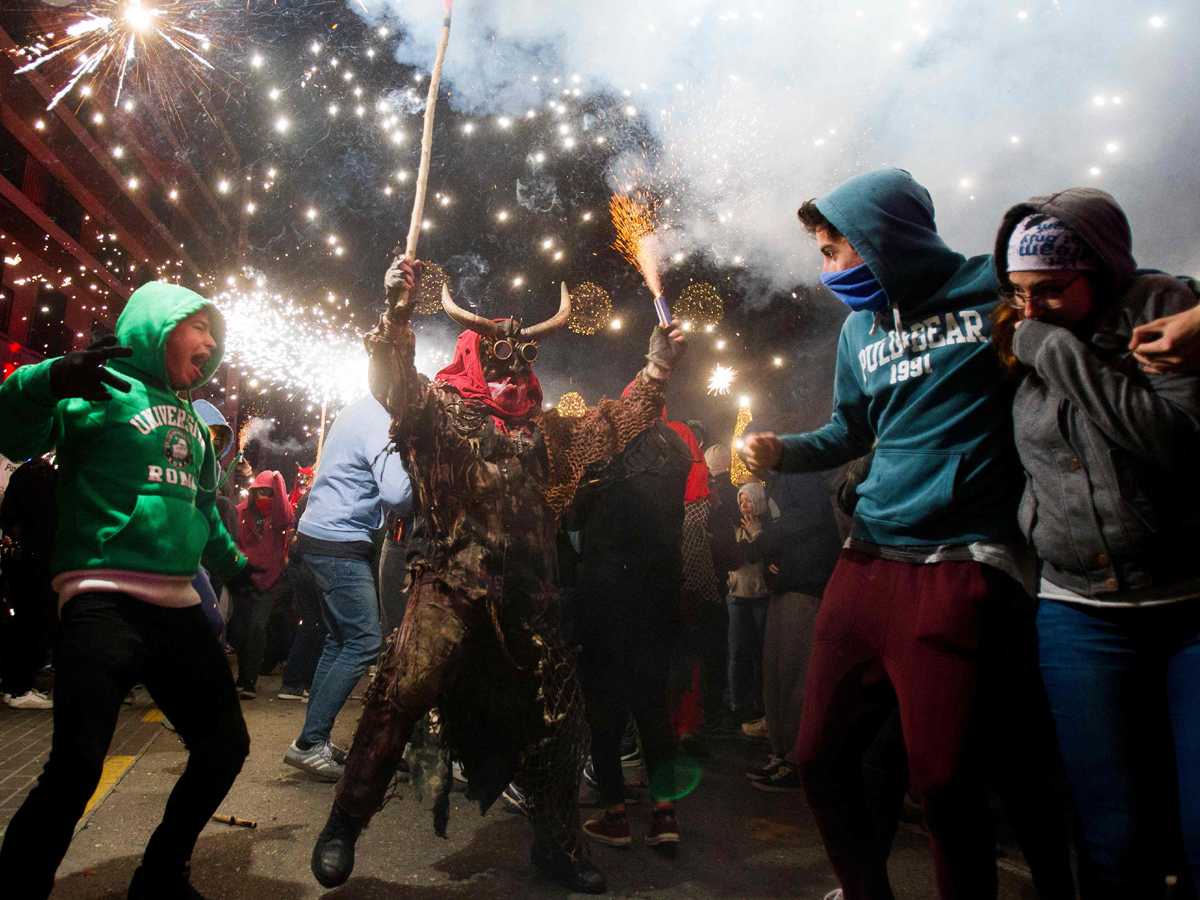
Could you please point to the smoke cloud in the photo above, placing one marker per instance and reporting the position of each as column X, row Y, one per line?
column 750, row 108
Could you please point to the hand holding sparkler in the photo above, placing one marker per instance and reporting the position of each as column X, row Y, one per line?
column 666, row 349
column 762, row 452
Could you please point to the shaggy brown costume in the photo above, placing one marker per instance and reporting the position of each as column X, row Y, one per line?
column 481, row 639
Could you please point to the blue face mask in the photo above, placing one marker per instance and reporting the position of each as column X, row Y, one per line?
column 857, row 288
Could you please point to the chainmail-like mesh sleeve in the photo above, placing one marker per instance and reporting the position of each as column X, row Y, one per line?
column 574, row 443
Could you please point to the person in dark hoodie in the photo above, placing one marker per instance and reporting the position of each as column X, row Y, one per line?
column 29, row 516
column 137, row 478
column 1110, row 505
column 934, row 536
column 630, row 513
column 801, row 552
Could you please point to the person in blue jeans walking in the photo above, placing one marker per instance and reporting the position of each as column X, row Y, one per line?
column 1110, row 505
column 747, row 601
column 358, row 480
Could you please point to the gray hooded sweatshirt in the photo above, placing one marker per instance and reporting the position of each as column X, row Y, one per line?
column 1111, row 453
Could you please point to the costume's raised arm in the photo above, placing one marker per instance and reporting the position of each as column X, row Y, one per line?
column 390, row 345
column 573, row 443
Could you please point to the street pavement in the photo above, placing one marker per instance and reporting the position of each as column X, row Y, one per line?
column 737, row 842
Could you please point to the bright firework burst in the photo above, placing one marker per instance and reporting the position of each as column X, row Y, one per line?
column 286, row 347
column 591, row 309
column 572, row 405
column 721, row 380
column 157, row 46
column 737, row 469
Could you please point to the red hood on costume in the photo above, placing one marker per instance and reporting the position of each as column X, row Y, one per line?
column 296, row 494
column 512, row 400
column 697, row 483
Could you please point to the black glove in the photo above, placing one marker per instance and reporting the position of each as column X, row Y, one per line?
column 242, row 580
column 82, row 373
column 666, row 351
column 402, row 275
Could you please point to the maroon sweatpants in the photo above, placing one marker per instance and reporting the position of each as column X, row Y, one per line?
column 891, row 633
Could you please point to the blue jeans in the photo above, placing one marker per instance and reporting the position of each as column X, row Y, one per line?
column 1124, row 687
column 747, row 626
column 351, row 612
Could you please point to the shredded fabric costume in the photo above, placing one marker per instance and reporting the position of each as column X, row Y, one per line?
column 481, row 639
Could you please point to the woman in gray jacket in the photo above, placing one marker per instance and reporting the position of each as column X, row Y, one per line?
column 1112, row 507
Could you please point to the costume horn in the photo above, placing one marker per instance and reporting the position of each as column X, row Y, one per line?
column 545, row 329
column 469, row 320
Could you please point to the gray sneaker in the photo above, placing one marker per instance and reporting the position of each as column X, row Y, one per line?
column 317, row 761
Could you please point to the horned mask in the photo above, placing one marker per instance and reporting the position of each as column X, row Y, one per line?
column 507, row 350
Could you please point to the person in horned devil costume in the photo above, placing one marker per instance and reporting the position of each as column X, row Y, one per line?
column 481, row 639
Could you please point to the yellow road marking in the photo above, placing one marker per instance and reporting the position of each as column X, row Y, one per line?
column 153, row 715
column 114, row 768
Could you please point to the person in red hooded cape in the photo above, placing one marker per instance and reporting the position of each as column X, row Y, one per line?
column 265, row 519
column 492, row 473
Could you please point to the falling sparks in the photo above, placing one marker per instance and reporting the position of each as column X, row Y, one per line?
column 635, row 240
column 720, row 380
column 157, row 48
column 700, row 303
column 738, row 472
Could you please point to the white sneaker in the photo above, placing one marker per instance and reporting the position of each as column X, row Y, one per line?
column 32, row 699
column 456, row 770
column 317, row 761
column 835, row 895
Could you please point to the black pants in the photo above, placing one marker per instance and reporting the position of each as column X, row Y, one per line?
column 27, row 627
column 619, row 678
column 309, row 639
column 109, row 643
column 253, row 609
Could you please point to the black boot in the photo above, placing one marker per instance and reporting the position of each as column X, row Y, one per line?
column 576, row 874
column 150, row 886
column 333, row 856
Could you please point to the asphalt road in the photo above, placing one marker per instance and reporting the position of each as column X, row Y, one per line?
column 737, row 842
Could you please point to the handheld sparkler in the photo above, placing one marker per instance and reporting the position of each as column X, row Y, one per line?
column 664, row 311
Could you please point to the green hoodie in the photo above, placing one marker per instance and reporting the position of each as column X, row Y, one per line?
column 920, row 383
column 137, row 475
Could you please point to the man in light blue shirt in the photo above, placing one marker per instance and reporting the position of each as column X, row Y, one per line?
column 357, row 482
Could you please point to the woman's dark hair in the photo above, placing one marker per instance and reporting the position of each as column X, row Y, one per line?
column 814, row 220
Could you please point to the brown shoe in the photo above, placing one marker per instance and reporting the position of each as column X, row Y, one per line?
column 610, row 829
column 664, row 828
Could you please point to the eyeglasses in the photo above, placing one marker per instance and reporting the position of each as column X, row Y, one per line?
column 1047, row 295
column 503, row 349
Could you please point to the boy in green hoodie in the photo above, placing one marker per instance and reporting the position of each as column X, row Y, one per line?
column 136, row 489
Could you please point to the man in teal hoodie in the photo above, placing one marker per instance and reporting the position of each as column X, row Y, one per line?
column 136, row 488
column 934, row 536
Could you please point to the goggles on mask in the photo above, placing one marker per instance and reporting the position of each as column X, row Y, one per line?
column 503, row 349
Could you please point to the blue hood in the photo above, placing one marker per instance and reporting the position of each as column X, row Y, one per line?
column 211, row 416
column 888, row 218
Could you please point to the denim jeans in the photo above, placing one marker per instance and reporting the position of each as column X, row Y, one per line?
column 747, row 627
column 1124, row 688
column 351, row 612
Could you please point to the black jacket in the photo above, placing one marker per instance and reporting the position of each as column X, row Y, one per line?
column 629, row 514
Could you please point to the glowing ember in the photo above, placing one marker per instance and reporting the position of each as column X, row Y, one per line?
column 721, row 380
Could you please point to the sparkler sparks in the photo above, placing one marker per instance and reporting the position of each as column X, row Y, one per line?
column 635, row 239
column 158, row 48
column 721, row 380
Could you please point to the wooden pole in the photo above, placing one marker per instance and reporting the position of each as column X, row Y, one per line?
column 320, row 436
column 401, row 311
